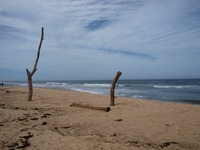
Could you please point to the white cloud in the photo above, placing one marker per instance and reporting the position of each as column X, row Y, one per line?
column 84, row 38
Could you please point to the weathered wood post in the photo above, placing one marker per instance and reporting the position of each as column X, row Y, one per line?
column 30, row 74
column 112, row 89
column 106, row 109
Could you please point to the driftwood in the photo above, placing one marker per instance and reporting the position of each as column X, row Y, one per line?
column 106, row 109
column 30, row 74
column 22, row 142
column 112, row 89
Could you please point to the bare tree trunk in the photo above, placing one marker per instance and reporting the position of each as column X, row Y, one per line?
column 30, row 74
column 30, row 85
column 112, row 89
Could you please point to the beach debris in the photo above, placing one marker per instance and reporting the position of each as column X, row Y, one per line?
column 106, row 109
column 2, row 104
column 34, row 118
column 66, row 127
column 45, row 115
column 166, row 144
column 24, row 129
column 137, row 144
column 44, row 123
column 25, row 117
column 26, row 135
column 113, row 134
column 118, row 120
column 112, row 89
column 21, row 118
column 22, row 142
column 149, row 145
column 12, row 145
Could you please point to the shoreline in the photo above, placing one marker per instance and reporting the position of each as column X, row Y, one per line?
column 25, row 88
column 190, row 102
column 131, row 123
column 187, row 102
column 178, row 90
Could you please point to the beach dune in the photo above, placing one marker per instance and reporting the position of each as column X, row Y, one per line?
column 48, row 122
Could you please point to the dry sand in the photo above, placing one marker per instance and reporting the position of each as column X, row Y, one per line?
column 49, row 123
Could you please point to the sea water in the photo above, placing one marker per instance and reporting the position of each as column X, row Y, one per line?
column 176, row 90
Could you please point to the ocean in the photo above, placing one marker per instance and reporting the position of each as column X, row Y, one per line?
column 173, row 90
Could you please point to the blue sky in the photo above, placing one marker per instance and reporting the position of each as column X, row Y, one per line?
column 93, row 39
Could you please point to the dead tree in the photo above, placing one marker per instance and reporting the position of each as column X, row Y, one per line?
column 112, row 89
column 30, row 74
column 106, row 109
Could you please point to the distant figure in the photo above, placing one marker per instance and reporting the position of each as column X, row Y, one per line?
column 2, row 84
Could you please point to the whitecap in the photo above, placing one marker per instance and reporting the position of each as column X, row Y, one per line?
column 97, row 85
column 175, row 86
column 86, row 91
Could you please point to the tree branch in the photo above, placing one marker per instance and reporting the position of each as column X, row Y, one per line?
column 38, row 54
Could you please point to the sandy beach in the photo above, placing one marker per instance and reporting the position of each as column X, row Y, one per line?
column 49, row 122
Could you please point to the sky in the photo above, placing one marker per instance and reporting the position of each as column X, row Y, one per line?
column 93, row 39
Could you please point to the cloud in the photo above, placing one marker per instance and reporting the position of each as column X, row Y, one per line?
column 129, row 53
column 97, row 24
column 97, row 35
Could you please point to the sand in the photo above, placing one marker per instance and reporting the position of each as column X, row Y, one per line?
column 49, row 123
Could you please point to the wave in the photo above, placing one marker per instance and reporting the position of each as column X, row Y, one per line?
column 137, row 96
column 53, row 83
column 175, row 86
column 97, row 85
column 23, row 84
column 40, row 85
column 64, row 83
column 86, row 91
